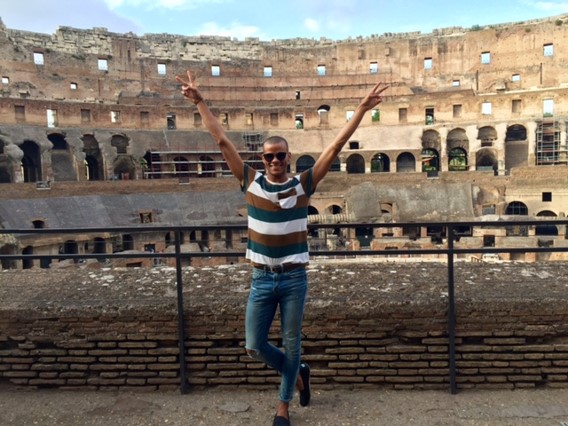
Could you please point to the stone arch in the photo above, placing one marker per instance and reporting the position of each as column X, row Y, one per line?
column 457, row 138
column 304, row 163
column 127, row 242
column 27, row 263
column 8, row 248
column 355, row 164
column 121, row 143
column 548, row 230
column 334, row 209
column 457, row 160
column 207, row 166
column 431, row 139
column 70, row 247
column 61, row 159
column 153, row 165
column 517, row 208
column 516, row 147
column 31, row 161
column 430, row 159
column 487, row 135
column 323, row 112
column 380, row 163
column 486, row 159
column 99, row 246
column 336, row 165
column 405, row 163
column 5, row 168
column 515, row 133
column 94, row 167
column 181, row 167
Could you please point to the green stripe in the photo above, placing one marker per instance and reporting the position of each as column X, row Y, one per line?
column 276, row 252
column 276, row 216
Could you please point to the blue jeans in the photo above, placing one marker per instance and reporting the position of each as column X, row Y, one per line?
column 268, row 291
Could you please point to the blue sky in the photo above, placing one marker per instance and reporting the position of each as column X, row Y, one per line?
column 270, row 19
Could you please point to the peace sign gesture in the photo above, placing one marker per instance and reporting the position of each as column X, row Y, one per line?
column 374, row 97
column 189, row 89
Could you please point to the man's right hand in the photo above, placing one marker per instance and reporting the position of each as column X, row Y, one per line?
column 189, row 89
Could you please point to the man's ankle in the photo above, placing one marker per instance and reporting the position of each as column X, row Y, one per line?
column 282, row 410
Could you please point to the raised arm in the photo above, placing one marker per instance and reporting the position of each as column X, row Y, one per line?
column 325, row 160
column 228, row 149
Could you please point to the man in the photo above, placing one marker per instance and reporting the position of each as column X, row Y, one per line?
column 277, row 242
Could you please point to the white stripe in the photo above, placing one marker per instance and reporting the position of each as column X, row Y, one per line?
column 255, row 189
column 279, row 228
column 265, row 260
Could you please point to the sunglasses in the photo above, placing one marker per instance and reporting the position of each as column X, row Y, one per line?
column 280, row 156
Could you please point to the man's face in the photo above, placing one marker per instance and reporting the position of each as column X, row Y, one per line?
column 276, row 157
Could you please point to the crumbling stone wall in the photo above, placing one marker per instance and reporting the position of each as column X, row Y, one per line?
column 366, row 324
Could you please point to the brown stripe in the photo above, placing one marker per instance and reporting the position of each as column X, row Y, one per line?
column 265, row 204
column 278, row 240
column 261, row 203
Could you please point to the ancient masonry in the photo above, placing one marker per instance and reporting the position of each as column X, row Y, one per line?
column 94, row 132
column 475, row 118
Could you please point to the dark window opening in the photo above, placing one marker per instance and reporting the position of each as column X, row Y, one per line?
column 171, row 121
column 429, row 119
column 145, row 217
column 489, row 241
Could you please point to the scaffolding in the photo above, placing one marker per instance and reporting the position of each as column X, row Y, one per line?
column 200, row 163
column 549, row 148
column 253, row 141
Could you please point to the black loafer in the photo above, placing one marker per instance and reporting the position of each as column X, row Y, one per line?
column 280, row 421
column 305, row 394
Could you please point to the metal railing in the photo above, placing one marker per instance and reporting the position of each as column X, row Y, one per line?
column 448, row 250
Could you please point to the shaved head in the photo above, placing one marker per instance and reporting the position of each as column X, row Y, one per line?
column 273, row 140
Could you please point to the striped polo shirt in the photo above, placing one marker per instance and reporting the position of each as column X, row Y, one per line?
column 277, row 218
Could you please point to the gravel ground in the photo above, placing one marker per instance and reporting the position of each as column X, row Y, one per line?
column 216, row 406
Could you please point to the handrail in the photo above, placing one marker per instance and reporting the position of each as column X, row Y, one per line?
column 448, row 249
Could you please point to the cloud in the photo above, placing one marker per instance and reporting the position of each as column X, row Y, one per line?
column 162, row 4
column 235, row 30
column 312, row 24
column 44, row 16
column 548, row 6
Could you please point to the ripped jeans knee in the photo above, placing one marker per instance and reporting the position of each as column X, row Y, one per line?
column 254, row 354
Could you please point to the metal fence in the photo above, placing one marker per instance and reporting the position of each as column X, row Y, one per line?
column 554, row 230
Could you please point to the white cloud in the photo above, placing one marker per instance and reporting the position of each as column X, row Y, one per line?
column 235, row 30
column 162, row 4
column 548, row 6
column 311, row 24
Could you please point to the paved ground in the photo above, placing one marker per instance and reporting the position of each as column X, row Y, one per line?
column 239, row 407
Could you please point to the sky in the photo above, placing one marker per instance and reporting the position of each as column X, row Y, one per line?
column 270, row 19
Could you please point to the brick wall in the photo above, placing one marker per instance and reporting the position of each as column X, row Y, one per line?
column 392, row 336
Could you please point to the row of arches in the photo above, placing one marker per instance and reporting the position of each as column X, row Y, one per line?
column 458, row 160
column 65, row 168
column 27, row 160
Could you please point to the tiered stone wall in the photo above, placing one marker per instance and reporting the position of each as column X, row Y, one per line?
column 381, row 324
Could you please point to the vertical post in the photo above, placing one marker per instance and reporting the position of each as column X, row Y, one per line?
column 181, row 316
column 451, row 312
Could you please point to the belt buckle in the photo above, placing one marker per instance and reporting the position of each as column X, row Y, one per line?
column 275, row 269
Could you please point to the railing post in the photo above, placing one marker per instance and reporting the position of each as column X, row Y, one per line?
column 181, row 315
column 451, row 312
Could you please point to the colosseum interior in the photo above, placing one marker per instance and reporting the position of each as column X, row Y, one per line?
column 95, row 132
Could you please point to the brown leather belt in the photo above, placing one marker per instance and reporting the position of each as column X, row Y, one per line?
column 278, row 269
